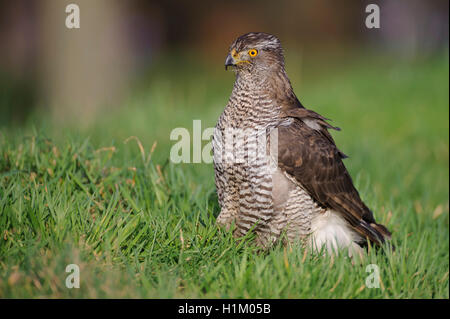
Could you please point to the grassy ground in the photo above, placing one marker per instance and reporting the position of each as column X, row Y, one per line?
column 140, row 226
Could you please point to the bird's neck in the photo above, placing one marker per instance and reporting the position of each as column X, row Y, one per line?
column 274, row 84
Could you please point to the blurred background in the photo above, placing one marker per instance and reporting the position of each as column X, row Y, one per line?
column 77, row 74
column 142, row 68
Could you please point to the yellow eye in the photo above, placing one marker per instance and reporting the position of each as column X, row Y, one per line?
column 253, row 52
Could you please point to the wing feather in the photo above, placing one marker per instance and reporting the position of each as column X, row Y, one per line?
column 312, row 158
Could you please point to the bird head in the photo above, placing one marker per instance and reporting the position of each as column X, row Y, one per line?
column 255, row 51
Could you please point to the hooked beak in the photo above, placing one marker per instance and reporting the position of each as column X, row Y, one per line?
column 229, row 61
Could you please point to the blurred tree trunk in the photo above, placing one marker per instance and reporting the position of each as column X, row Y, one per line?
column 85, row 70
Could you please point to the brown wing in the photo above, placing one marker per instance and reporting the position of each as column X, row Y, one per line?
column 310, row 155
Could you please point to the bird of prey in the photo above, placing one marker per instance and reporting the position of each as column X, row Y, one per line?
column 277, row 169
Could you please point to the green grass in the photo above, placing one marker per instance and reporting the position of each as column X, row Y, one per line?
column 140, row 226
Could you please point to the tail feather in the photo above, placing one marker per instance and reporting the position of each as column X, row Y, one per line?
column 382, row 230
